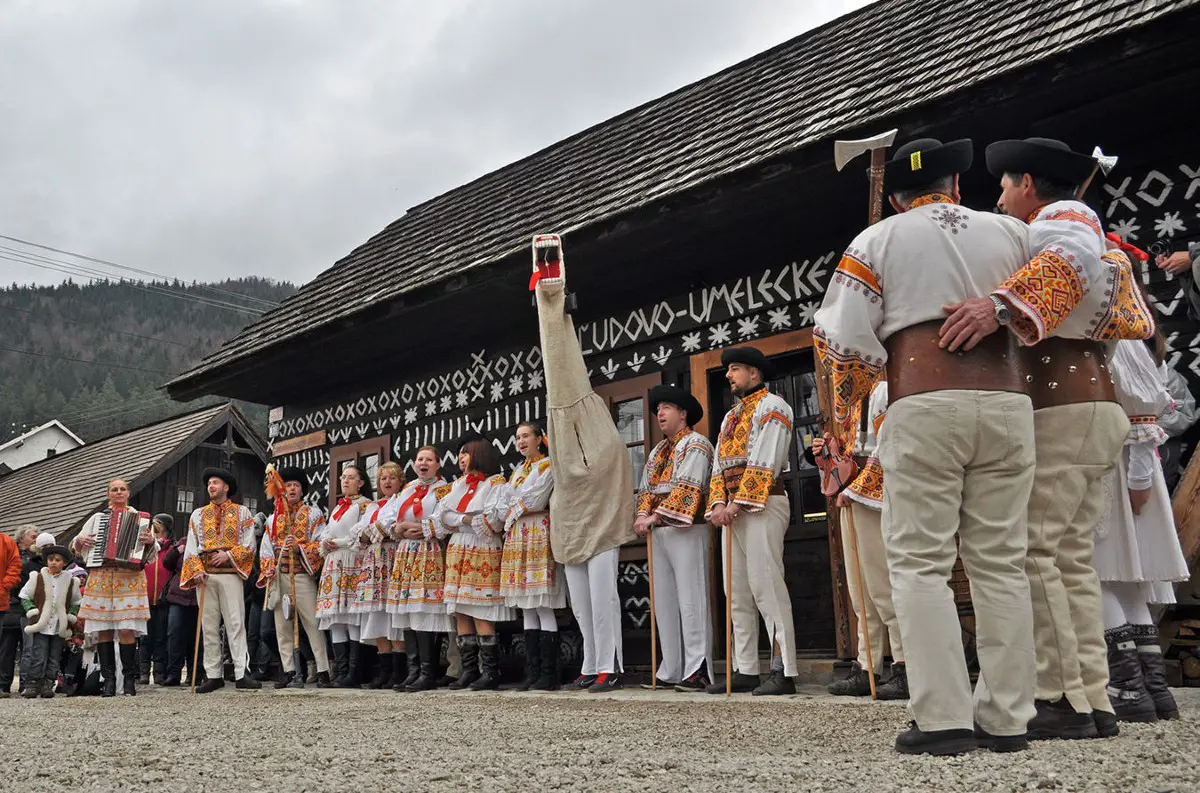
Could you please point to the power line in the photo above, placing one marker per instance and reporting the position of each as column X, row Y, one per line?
column 76, row 322
column 95, row 275
column 269, row 303
column 81, row 360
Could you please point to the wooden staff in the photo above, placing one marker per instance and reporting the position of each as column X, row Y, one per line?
column 653, row 621
column 296, row 654
column 862, row 600
column 729, row 610
column 199, row 627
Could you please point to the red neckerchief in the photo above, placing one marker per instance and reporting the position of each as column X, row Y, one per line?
column 415, row 500
column 473, row 481
column 378, row 508
column 342, row 507
column 1129, row 247
column 930, row 198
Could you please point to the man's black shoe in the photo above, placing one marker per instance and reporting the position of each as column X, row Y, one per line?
column 1059, row 720
column 742, row 684
column 212, row 684
column 247, row 683
column 914, row 740
column 777, row 684
column 1000, row 743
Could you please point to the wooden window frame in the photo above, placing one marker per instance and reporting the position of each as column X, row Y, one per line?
column 191, row 493
column 381, row 444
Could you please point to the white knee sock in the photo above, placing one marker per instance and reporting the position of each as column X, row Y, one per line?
column 1133, row 603
column 1114, row 614
column 531, row 619
column 547, row 619
column 338, row 633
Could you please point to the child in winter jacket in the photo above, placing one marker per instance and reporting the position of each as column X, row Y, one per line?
column 51, row 600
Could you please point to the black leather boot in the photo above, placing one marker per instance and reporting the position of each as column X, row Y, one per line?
column 855, row 684
column 468, row 648
column 399, row 670
column 108, row 668
column 1058, row 720
column 129, row 669
column 339, row 670
column 489, row 656
column 550, row 677
column 383, row 672
column 427, row 648
column 1154, row 671
column 1126, row 687
column 533, row 659
column 897, row 685
column 413, row 651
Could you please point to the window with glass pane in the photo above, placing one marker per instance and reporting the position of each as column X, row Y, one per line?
column 250, row 503
column 366, row 455
column 631, row 425
column 185, row 500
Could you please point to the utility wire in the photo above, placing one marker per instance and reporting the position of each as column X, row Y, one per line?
column 268, row 303
column 81, row 360
column 83, row 324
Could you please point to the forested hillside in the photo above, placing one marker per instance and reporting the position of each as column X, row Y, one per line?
column 93, row 356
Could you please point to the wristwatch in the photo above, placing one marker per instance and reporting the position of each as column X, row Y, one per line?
column 1001, row 311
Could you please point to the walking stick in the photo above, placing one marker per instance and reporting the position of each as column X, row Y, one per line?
column 729, row 610
column 199, row 627
column 653, row 621
column 296, row 654
column 862, row 601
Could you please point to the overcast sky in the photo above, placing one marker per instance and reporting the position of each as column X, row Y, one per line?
column 214, row 139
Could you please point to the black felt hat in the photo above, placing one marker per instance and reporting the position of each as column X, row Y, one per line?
column 294, row 474
column 1046, row 157
column 62, row 551
column 674, row 395
column 748, row 356
column 224, row 476
column 921, row 161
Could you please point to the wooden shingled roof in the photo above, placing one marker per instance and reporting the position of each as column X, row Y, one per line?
column 59, row 493
column 882, row 60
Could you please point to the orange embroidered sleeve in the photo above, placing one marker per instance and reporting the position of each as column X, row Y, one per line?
column 716, row 492
column 266, row 570
column 645, row 503
column 755, row 487
column 1127, row 315
column 851, row 379
column 1043, row 293
column 682, row 505
column 191, row 567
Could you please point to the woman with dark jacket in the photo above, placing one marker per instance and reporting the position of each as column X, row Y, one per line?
column 182, row 615
column 152, row 648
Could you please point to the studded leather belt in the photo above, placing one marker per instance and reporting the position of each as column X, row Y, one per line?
column 1068, row 372
column 916, row 365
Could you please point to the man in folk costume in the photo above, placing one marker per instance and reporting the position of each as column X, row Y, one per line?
column 291, row 550
column 864, row 498
column 957, row 445
column 218, row 558
column 747, row 498
column 670, row 508
column 1062, row 303
column 115, row 599
column 591, row 509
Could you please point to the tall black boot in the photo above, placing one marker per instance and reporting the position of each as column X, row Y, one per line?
column 129, row 669
column 108, row 668
column 368, row 656
column 399, row 669
column 427, row 645
column 340, row 666
column 1126, row 687
column 489, row 656
column 383, row 671
column 413, row 651
column 1154, row 671
column 550, row 676
column 533, row 659
column 349, row 671
column 468, row 648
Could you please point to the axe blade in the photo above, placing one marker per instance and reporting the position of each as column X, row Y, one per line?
column 1106, row 162
column 846, row 150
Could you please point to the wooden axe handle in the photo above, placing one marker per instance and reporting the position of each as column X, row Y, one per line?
column 878, row 160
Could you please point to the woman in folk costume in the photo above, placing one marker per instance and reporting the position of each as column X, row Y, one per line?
column 415, row 592
column 530, row 579
column 339, row 574
column 1137, row 554
column 473, row 558
column 115, row 599
column 373, row 535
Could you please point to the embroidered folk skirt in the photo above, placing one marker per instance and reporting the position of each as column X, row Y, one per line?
column 529, row 576
column 115, row 600
column 371, row 595
column 339, row 589
column 473, row 578
column 416, row 590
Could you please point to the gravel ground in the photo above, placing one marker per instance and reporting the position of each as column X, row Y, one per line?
column 631, row 740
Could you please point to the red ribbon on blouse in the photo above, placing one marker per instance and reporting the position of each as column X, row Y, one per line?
column 414, row 501
column 1129, row 247
column 473, row 481
column 342, row 507
column 378, row 508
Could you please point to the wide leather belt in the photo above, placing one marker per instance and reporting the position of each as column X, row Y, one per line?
column 733, row 480
column 916, row 365
column 1068, row 372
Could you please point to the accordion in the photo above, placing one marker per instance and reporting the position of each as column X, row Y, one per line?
column 117, row 543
